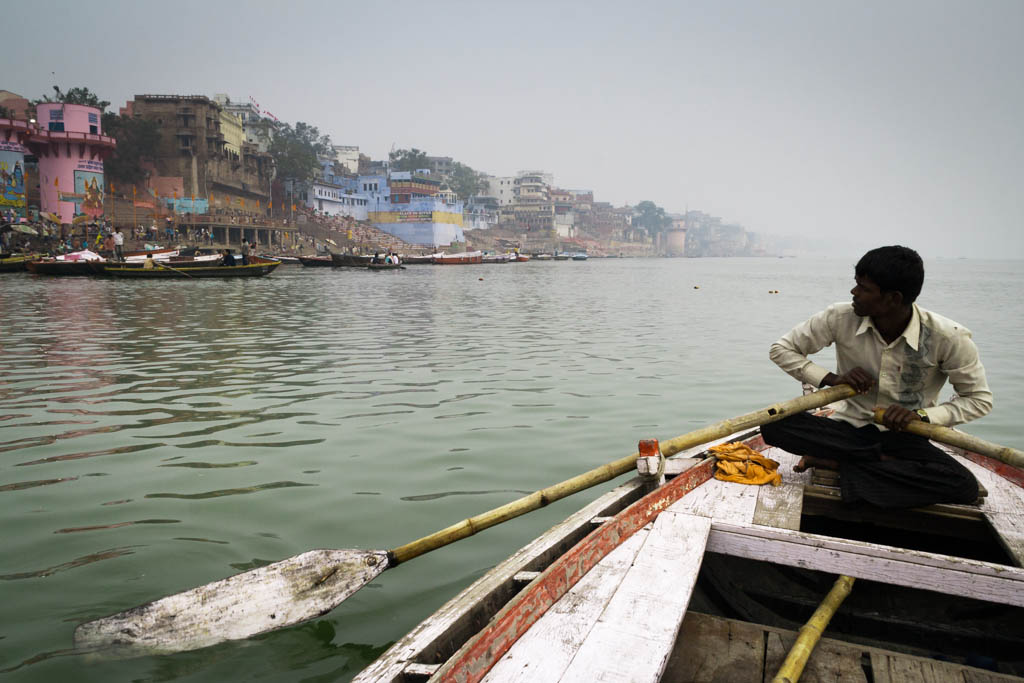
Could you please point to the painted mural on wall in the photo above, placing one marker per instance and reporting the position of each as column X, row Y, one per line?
column 88, row 194
column 12, row 179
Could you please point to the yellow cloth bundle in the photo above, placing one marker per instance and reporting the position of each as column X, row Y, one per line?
column 739, row 463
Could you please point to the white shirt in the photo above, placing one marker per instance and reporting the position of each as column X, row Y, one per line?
column 118, row 239
column 910, row 371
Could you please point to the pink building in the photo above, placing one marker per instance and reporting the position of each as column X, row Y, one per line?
column 69, row 144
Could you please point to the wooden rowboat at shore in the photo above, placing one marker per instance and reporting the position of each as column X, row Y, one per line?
column 257, row 267
column 698, row 579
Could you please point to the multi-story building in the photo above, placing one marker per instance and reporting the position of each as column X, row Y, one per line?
column 503, row 189
column 193, row 148
column 234, row 132
column 69, row 144
column 258, row 129
column 412, row 207
column 440, row 166
column 533, row 209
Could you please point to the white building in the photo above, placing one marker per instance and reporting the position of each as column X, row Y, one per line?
column 502, row 189
column 347, row 156
column 334, row 200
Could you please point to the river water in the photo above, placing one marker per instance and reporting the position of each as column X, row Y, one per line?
column 155, row 436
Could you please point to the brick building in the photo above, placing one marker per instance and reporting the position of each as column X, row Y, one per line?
column 193, row 148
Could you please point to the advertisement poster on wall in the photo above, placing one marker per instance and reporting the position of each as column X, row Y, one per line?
column 12, row 179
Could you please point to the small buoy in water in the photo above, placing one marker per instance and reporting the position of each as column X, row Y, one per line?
column 481, row 279
column 696, row 286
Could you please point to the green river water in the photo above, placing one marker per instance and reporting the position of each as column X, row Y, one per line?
column 158, row 435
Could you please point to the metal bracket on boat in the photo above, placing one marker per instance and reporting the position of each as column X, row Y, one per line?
column 650, row 453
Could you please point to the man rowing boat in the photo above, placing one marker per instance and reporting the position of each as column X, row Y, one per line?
column 897, row 355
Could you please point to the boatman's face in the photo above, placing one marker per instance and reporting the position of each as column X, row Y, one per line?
column 870, row 300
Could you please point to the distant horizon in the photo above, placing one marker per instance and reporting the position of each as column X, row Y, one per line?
column 852, row 123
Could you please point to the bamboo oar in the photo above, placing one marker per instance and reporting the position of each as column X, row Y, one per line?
column 810, row 633
column 1011, row 456
column 313, row 583
column 162, row 265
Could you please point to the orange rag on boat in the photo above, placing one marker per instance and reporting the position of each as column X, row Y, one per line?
column 742, row 464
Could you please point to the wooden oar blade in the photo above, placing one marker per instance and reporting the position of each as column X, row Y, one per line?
column 264, row 599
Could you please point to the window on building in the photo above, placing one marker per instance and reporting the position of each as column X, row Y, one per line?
column 57, row 126
column 94, row 129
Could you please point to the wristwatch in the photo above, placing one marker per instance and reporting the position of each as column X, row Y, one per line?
column 923, row 415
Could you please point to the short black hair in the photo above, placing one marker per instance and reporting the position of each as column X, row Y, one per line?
column 893, row 269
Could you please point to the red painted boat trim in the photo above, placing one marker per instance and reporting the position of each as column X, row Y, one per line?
column 483, row 650
column 1007, row 472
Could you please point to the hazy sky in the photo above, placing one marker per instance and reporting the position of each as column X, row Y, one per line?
column 851, row 123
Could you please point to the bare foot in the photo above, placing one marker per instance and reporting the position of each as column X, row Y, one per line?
column 809, row 461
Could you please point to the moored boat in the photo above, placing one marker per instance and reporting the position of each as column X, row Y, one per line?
column 257, row 267
column 76, row 263
column 350, row 260
column 520, row 258
column 579, row 256
column 414, row 259
column 157, row 254
column 10, row 263
column 466, row 258
column 495, row 258
column 284, row 259
column 316, row 261
column 561, row 256
column 543, row 257
column 643, row 585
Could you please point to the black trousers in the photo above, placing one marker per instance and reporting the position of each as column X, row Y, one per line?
column 913, row 473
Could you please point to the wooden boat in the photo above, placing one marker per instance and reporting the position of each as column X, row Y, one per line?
column 689, row 578
column 257, row 267
column 143, row 254
column 467, row 258
column 349, row 260
column 316, row 261
column 196, row 261
column 520, row 258
column 385, row 266
column 579, row 256
column 10, row 263
column 495, row 258
column 414, row 259
column 543, row 257
column 561, row 256
column 77, row 263
column 284, row 259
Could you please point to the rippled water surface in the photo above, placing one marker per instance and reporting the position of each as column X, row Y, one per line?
column 155, row 436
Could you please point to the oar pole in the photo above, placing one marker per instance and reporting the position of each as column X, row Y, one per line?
column 179, row 272
column 810, row 633
column 1011, row 456
column 609, row 471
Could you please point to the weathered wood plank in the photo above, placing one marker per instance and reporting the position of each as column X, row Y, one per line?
column 546, row 650
column 634, row 635
column 462, row 616
column 1009, row 527
column 779, row 506
column 480, row 652
column 724, row 501
column 888, row 668
column 1003, row 495
column 911, row 568
column 715, row 650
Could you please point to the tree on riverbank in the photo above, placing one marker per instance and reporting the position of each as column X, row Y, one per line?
column 650, row 217
column 296, row 150
column 464, row 181
column 408, row 160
